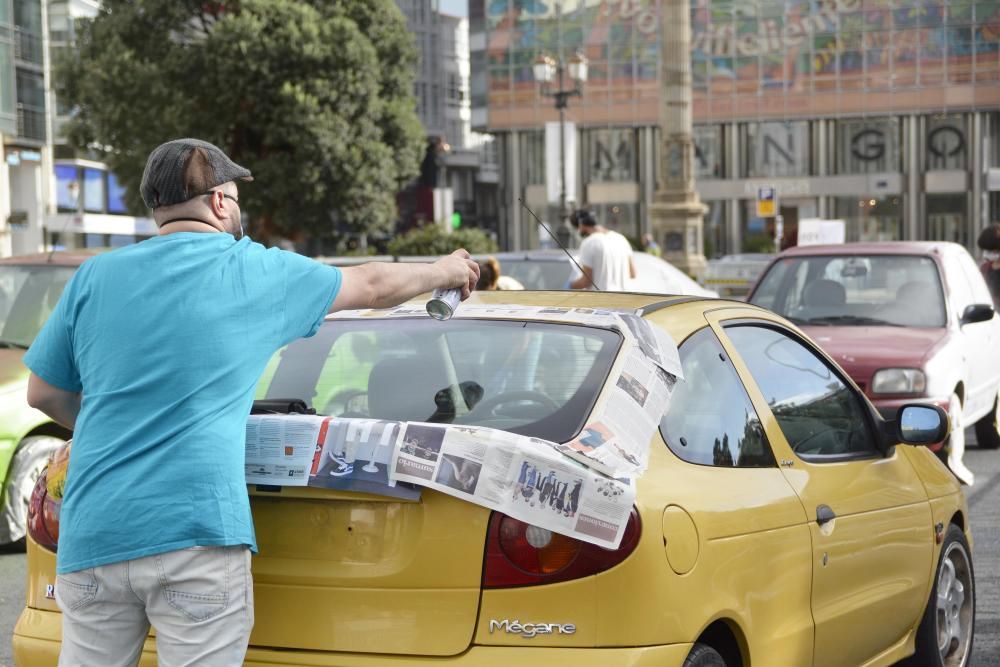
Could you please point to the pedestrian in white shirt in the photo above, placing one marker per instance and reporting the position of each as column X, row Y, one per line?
column 605, row 255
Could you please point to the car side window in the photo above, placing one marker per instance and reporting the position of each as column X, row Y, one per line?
column 820, row 415
column 710, row 420
column 961, row 295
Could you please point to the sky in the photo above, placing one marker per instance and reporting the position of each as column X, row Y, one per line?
column 455, row 7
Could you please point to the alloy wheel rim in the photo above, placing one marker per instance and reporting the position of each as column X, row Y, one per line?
column 955, row 602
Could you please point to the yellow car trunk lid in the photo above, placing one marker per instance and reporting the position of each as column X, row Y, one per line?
column 341, row 571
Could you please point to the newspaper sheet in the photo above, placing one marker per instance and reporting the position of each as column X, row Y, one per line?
column 616, row 439
column 604, row 317
column 522, row 477
column 309, row 450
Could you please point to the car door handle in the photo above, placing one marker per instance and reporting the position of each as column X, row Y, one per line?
column 824, row 514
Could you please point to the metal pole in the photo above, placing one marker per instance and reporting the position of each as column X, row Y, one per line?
column 562, row 153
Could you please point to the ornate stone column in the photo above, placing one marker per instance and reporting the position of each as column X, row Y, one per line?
column 677, row 214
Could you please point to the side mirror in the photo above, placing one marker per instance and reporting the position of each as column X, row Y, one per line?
column 921, row 424
column 977, row 312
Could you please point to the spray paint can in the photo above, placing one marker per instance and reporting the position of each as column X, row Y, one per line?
column 443, row 303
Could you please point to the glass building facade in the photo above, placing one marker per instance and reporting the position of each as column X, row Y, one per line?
column 883, row 113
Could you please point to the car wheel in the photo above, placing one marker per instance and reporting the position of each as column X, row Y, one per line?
column 953, row 452
column 703, row 655
column 944, row 638
column 988, row 428
column 29, row 461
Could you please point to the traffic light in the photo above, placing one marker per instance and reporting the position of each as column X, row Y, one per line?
column 456, row 220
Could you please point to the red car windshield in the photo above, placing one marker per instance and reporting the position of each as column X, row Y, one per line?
column 855, row 290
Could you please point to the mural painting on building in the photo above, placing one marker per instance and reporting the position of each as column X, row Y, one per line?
column 764, row 58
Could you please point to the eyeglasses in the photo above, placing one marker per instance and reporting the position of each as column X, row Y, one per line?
column 212, row 192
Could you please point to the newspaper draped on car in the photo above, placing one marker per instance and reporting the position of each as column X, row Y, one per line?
column 584, row 488
column 327, row 452
column 522, row 477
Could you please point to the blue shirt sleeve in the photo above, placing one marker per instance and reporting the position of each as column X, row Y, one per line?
column 51, row 356
column 310, row 289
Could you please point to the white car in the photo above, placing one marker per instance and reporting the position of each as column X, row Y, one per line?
column 552, row 270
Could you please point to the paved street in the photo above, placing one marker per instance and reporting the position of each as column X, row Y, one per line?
column 984, row 504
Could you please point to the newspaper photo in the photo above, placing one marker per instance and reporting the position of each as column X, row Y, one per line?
column 326, row 452
column 355, row 456
column 522, row 477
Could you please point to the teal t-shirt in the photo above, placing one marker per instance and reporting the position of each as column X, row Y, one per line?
column 166, row 340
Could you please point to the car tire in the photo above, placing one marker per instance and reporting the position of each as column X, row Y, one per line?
column 944, row 638
column 703, row 655
column 988, row 428
column 29, row 460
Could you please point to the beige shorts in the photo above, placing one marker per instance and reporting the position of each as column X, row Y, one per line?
column 200, row 600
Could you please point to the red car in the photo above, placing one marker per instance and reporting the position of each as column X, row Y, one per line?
column 906, row 320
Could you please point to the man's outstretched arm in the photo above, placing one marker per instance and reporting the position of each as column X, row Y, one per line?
column 384, row 285
column 61, row 405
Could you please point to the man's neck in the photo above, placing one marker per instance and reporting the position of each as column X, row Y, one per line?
column 186, row 225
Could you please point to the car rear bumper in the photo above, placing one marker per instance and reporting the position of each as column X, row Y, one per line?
column 37, row 635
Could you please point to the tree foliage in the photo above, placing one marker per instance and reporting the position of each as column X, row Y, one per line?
column 434, row 240
column 315, row 97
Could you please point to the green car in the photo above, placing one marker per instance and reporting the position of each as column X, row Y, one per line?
column 30, row 287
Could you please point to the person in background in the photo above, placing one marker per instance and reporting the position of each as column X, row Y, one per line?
column 605, row 255
column 490, row 277
column 489, row 274
column 650, row 245
column 989, row 243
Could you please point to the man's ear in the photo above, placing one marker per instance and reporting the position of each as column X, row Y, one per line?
column 218, row 204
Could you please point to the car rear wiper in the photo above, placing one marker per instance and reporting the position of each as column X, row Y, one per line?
column 852, row 319
column 8, row 344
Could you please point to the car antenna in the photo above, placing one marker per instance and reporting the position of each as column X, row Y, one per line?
column 568, row 254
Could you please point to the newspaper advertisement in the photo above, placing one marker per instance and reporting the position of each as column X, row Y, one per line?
column 309, row 450
column 522, row 477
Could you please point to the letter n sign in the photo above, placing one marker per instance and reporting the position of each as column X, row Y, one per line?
column 767, row 202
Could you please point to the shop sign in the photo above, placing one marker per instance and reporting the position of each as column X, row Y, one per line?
column 767, row 202
column 945, row 148
column 781, row 149
column 868, row 145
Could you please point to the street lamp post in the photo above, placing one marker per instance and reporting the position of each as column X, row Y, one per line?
column 547, row 69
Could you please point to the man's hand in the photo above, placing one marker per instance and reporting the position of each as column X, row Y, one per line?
column 459, row 270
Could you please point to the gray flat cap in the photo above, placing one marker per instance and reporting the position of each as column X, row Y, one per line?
column 182, row 169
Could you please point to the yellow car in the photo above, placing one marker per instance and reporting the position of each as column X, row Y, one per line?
column 781, row 522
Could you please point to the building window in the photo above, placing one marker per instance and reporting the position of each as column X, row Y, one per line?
column 778, row 149
column 708, row 151
column 532, row 157
column 67, row 187
column 93, row 191
column 871, row 218
column 946, row 216
column 611, row 155
column 454, row 90
column 116, row 196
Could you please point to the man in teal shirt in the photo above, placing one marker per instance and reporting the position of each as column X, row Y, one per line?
column 152, row 357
